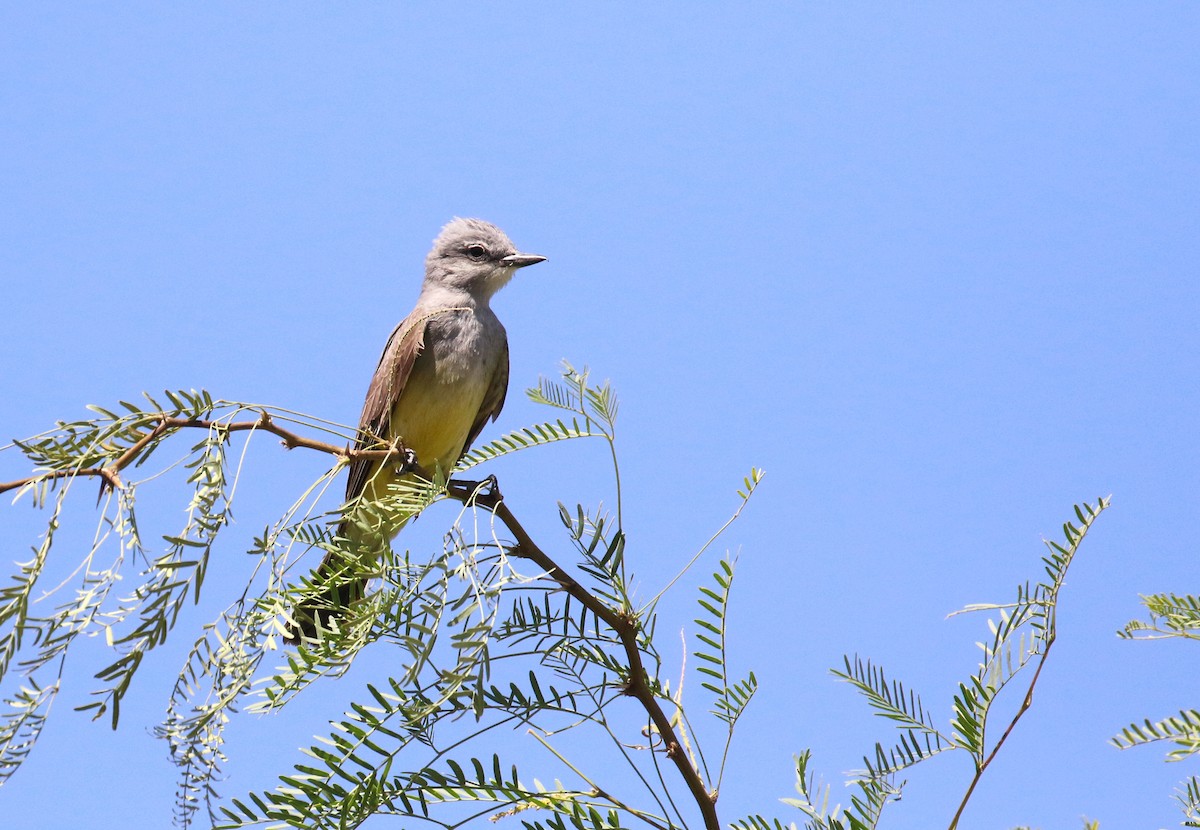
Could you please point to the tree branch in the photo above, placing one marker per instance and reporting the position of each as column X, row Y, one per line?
column 624, row 623
column 1025, row 704
column 111, row 473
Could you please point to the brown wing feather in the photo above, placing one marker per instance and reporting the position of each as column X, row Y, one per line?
column 391, row 375
column 493, row 400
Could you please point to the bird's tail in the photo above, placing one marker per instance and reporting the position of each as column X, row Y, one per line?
column 338, row 583
column 363, row 537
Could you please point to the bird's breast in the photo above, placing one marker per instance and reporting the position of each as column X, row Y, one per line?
column 442, row 398
column 462, row 348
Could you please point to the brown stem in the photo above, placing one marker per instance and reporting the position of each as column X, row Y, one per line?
column 1025, row 704
column 111, row 474
column 625, row 624
column 111, row 479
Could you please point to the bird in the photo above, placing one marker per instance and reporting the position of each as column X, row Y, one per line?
column 442, row 376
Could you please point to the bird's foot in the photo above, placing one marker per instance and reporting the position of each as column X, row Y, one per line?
column 408, row 461
column 485, row 493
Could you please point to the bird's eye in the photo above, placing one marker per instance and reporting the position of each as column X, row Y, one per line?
column 477, row 252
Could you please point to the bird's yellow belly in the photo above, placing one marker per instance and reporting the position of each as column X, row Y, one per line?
column 432, row 419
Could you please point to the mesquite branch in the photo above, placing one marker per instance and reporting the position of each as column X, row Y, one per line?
column 1025, row 704
column 111, row 473
column 623, row 622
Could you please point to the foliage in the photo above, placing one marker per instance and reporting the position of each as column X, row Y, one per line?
column 1171, row 616
column 482, row 645
column 487, row 636
column 1022, row 633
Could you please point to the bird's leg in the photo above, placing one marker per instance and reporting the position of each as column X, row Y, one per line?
column 484, row 493
column 408, row 461
column 493, row 488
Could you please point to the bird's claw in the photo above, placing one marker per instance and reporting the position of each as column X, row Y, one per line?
column 408, row 461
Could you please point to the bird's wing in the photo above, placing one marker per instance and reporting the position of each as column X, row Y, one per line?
column 493, row 399
column 391, row 376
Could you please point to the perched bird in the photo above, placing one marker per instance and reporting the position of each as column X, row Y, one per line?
column 442, row 376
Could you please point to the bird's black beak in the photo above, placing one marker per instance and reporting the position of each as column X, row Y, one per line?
column 521, row 260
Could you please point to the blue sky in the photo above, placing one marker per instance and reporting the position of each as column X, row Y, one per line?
column 934, row 268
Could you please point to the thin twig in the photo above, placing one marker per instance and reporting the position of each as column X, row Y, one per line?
column 623, row 623
column 111, row 479
column 111, row 473
column 597, row 790
column 1025, row 704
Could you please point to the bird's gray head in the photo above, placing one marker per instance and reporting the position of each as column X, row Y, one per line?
column 475, row 256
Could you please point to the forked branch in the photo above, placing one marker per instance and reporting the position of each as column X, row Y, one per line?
column 1026, row 702
column 111, row 473
column 624, row 623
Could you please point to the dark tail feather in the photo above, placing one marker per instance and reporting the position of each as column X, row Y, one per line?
column 334, row 589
